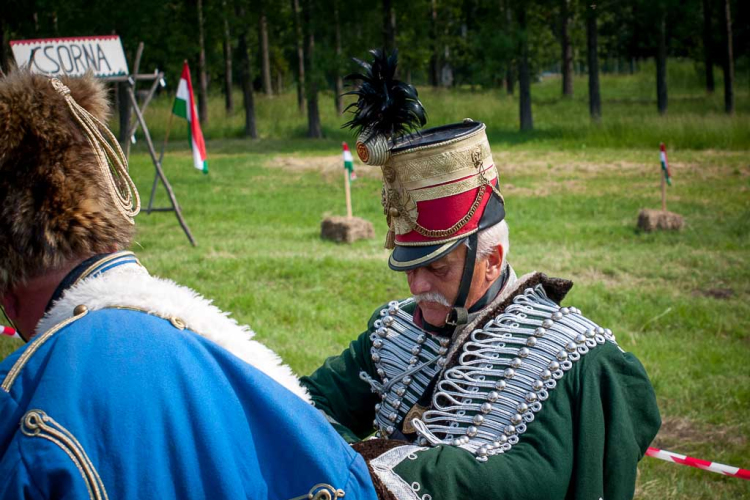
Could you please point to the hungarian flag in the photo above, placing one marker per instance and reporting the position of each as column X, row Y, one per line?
column 184, row 107
column 665, row 165
column 349, row 162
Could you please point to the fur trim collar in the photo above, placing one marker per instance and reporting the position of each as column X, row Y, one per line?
column 131, row 286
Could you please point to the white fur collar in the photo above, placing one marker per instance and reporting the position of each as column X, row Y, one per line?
column 130, row 285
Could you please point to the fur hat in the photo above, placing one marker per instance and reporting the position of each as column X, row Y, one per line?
column 55, row 204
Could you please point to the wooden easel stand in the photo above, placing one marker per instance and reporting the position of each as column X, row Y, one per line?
column 159, row 171
column 157, row 77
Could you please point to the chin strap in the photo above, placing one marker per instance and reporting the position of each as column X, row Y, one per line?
column 459, row 315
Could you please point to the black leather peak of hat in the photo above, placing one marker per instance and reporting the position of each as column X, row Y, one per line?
column 435, row 135
column 405, row 258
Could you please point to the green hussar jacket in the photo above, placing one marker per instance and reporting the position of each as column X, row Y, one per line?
column 583, row 444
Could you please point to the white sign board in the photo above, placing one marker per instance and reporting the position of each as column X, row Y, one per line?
column 72, row 56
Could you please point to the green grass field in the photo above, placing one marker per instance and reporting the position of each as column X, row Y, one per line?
column 679, row 301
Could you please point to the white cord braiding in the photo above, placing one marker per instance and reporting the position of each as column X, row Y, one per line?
column 112, row 162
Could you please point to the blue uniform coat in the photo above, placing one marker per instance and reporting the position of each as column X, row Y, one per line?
column 124, row 404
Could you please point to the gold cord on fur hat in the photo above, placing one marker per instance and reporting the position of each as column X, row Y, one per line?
column 112, row 161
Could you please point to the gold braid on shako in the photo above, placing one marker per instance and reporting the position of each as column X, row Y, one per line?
column 109, row 156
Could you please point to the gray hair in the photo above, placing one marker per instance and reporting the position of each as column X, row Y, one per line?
column 490, row 238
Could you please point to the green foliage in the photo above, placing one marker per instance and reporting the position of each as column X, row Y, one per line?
column 473, row 38
column 630, row 119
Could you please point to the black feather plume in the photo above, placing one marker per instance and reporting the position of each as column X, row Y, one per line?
column 385, row 105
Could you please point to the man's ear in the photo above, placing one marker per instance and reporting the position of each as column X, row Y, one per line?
column 494, row 264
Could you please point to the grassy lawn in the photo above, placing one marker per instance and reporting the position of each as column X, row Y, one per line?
column 679, row 301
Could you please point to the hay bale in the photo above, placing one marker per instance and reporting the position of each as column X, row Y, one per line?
column 346, row 229
column 659, row 220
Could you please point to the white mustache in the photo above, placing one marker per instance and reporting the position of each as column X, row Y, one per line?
column 432, row 297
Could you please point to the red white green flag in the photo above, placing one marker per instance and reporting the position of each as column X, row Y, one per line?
column 349, row 162
column 665, row 164
column 184, row 107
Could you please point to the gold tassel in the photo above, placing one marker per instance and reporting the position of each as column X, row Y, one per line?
column 390, row 239
column 109, row 155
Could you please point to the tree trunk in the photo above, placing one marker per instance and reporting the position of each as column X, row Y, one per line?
column 567, row 51
column 708, row 56
column 435, row 59
column 264, row 51
column 728, row 62
column 446, row 72
column 510, row 77
column 300, row 57
column 203, row 84
column 389, row 26
column 595, row 104
column 228, row 100
column 313, row 115
column 661, row 63
column 524, row 75
column 339, row 81
column 247, row 78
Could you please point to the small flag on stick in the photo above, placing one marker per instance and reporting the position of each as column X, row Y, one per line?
column 666, row 178
column 349, row 162
column 184, row 107
column 665, row 164
column 348, row 177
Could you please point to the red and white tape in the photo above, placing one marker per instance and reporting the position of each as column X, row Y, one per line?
column 9, row 332
column 676, row 458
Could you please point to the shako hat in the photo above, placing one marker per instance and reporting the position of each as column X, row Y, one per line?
column 64, row 185
column 440, row 185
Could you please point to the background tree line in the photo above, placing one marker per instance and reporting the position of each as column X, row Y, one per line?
column 270, row 46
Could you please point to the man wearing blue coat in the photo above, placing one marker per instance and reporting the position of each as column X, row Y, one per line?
column 130, row 386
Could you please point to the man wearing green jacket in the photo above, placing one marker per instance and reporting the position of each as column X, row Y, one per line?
column 481, row 385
